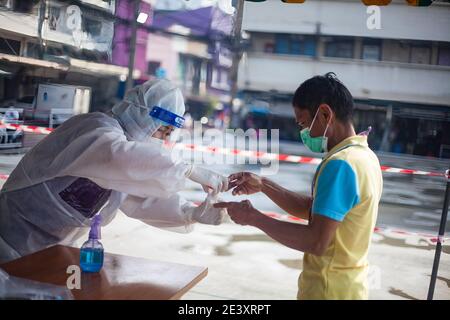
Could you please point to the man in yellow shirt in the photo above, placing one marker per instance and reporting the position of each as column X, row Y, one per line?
column 343, row 206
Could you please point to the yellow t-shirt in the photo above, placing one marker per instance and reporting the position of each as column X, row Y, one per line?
column 347, row 188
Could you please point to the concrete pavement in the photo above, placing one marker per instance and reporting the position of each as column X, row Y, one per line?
column 244, row 263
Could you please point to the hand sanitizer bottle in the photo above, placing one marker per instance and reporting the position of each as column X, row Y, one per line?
column 91, row 253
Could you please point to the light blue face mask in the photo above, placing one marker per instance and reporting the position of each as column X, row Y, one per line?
column 315, row 144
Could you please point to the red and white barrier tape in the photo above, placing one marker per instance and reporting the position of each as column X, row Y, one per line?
column 19, row 127
column 378, row 230
column 243, row 153
column 291, row 158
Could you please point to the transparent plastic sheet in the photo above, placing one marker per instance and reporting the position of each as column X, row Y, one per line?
column 210, row 200
column 207, row 205
column 13, row 288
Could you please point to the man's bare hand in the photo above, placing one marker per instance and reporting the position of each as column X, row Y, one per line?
column 245, row 183
column 240, row 212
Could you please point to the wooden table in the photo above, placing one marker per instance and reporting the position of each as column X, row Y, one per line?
column 121, row 277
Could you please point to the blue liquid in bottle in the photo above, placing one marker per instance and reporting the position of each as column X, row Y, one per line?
column 91, row 253
column 91, row 258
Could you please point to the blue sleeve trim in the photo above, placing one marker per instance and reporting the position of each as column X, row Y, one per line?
column 334, row 215
column 337, row 190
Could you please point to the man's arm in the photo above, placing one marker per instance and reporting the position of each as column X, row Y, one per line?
column 293, row 203
column 313, row 238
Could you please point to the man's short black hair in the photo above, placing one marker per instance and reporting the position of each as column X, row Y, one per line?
column 325, row 89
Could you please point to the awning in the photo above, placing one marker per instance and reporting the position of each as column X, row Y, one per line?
column 32, row 61
column 83, row 66
column 75, row 65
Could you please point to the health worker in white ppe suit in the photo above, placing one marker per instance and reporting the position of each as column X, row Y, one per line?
column 99, row 163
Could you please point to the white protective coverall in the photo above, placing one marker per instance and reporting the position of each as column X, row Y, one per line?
column 95, row 162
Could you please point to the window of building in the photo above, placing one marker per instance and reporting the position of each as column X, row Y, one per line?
column 339, row 47
column 54, row 51
column 152, row 66
column 444, row 56
column 407, row 51
column 282, row 45
column 92, row 26
column 366, row 115
column 397, row 51
column 295, row 45
column 29, row 6
column 420, row 130
column 190, row 73
column 9, row 46
column 269, row 47
column 6, row 4
column 309, row 46
column 24, row 6
column 371, row 50
column 219, row 79
column 420, row 54
column 32, row 50
column 105, row 4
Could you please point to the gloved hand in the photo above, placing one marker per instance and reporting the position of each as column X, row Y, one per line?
column 209, row 179
column 205, row 213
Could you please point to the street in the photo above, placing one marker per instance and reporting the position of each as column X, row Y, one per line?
column 244, row 263
column 262, row 86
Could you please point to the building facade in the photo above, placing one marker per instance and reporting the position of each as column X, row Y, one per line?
column 123, row 32
column 399, row 74
column 194, row 54
column 59, row 42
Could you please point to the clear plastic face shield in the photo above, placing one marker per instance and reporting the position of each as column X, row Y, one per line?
column 138, row 117
column 163, row 133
